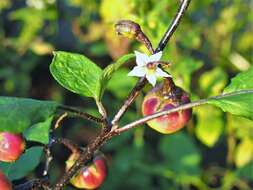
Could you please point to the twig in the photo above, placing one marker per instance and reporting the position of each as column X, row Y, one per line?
column 131, row 97
column 33, row 184
column 47, row 148
column 84, row 156
column 60, row 119
column 176, row 109
column 173, row 26
column 67, row 143
column 80, row 113
column 49, row 158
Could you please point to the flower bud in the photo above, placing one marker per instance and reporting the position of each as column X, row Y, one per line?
column 11, row 146
column 4, row 182
column 90, row 176
column 163, row 97
column 127, row 28
column 132, row 30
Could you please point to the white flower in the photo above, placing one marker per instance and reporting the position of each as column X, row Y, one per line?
column 147, row 66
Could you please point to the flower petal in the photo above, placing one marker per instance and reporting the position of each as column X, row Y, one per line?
column 141, row 58
column 156, row 57
column 151, row 79
column 137, row 71
column 160, row 73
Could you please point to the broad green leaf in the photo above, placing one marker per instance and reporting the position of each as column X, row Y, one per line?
column 111, row 69
column 209, row 125
column 181, row 154
column 76, row 73
column 241, row 102
column 24, row 165
column 39, row 132
column 242, row 81
column 17, row 114
column 238, row 103
column 244, row 152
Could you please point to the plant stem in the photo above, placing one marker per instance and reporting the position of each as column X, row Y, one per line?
column 84, row 156
column 178, row 108
column 101, row 109
column 131, row 97
column 80, row 113
column 33, row 184
column 158, row 114
column 49, row 158
column 173, row 26
column 67, row 143
column 59, row 120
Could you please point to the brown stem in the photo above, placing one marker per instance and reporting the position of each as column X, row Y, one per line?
column 84, row 156
column 173, row 26
column 176, row 109
column 68, row 143
column 131, row 97
column 80, row 113
column 33, row 184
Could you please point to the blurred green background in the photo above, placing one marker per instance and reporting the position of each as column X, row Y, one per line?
column 213, row 43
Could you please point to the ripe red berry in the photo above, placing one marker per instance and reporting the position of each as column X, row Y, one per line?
column 4, row 182
column 163, row 97
column 11, row 146
column 90, row 176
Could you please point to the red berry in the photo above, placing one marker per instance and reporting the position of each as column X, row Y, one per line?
column 90, row 176
column 4, row 182
column 11, row 146
column 164, row 97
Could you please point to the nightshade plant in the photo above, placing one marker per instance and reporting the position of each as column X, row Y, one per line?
column 75, row 72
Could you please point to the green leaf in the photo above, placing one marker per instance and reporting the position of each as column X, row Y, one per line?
column 39, row 132
column 24, row 165
column 240, row 102
column 17, row 114
column 209, row 125
column 76, row 73
column 243, row 81
column 111, row 69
